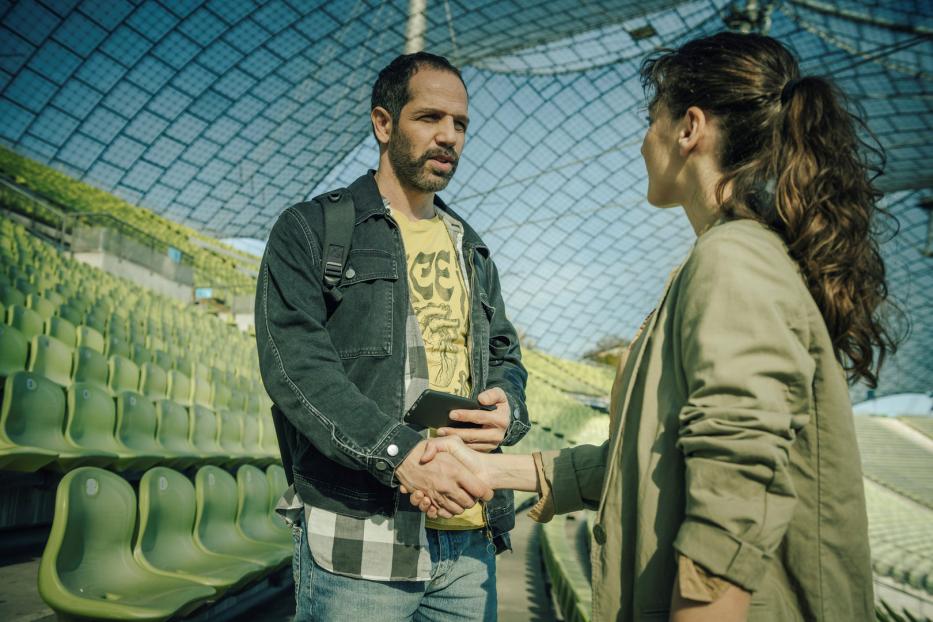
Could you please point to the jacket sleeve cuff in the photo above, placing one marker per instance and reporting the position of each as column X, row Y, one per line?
column 518, row 426
column 391, row 452
column 722, row 554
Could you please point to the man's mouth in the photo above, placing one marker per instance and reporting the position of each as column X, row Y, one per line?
column 442, row 162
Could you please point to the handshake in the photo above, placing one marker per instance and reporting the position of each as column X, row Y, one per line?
column 446, row 475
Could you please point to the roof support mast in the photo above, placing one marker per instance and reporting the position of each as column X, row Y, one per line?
column 417, row 25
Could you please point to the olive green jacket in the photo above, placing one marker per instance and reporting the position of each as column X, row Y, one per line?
column 732, row 442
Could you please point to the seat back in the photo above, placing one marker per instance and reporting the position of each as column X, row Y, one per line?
column 166, row 517
column 63, row 330
column 51, row 358
column 33, row 412
column 163, row 359
column 97, row 320
column 252, row 501
column 201, row 385
column 95, row 514
column 92, row 418
column 117, row 345
column 216, row 501
column 204, row 430
column 137, row 422
column 270, row 442
column 231, row 431
column 275, row 475
column 251, row 432
column 91, row 337
column 90, row 366
column 141, row 354
column 116, row 327
column 70, row 313
column 179, row 386
column 25, row 320
column 174, row 426
column 123, row 374
column 152, row 381
column 40, row 305
column 13, row 350
column 10, row 296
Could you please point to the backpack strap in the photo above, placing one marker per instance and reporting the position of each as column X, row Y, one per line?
column 338, row 231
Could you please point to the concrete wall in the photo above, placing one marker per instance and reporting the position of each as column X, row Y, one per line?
column 138, row 274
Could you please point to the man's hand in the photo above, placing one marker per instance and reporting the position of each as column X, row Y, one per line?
column 442, row 481
column 493, row 422
column 468, row 460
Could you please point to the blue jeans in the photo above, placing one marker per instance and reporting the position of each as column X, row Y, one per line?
column 462, row 586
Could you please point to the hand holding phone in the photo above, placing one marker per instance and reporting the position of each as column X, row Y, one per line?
column 432, row 410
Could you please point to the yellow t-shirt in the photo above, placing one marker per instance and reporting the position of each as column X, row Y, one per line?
column 441, row 303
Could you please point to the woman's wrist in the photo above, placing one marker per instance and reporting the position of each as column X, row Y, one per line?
column 510, row 471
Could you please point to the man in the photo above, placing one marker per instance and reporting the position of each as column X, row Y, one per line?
column 419, row 306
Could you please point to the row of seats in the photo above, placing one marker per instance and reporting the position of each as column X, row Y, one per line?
column 194, row 543
column 42, row 425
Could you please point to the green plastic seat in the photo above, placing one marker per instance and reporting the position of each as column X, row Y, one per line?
column 71, row 314
column 23, row 285
column 123, row 374
column 91, row 421
column 136, row 427
column 51, row 358
column 163, row 359
column 215, row 528
column 10, row 296
column 165, row 543
column 26, row 320
column 90, row 366
column 231, row 435
column 63, row 330
column 252, row 517
column 32, row 419
column 200, row 385
column 88, row 570
column 173, row 432
column 252, row 433
column 40, row 305
column 278, row 484
column 96, row 320
column 141, row 355
column 13, row 350
column 54, row 297
column 153, row 381
column 117, row 345
column 91, row 337
column 179, row 386
column 205, row 435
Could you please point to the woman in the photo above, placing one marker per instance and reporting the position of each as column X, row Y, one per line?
column 731, row 485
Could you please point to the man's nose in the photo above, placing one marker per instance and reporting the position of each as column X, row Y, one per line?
column 446, row 132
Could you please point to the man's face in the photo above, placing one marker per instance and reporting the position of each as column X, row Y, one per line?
column 425, row 144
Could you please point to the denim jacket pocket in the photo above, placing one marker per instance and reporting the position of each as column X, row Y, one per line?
column 361, row 324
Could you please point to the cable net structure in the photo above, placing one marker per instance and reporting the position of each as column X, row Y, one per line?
column 220, row 114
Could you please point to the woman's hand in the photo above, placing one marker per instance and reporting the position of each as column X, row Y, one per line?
column 473, row 461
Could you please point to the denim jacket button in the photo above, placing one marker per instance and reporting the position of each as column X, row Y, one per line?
column 350, row 273
column 392, row 450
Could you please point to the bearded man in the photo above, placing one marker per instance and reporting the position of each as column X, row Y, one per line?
column 418, row 306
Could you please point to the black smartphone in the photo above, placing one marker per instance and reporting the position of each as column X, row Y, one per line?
column 432, row 410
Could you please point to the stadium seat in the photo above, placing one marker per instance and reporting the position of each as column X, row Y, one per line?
column 201, row 385
column 13, row 350
column 40, row 305
column 205, row 434
column 54, row 297
column 123, row 374
column 26, row 320
column 252, row 517
column 165, row 544
column 230, row 437
column 215, row 524
column 88, row 570
column 116, row 345
column 116, row 327
column 163, row 359
column 173, row 433
column 90, row 366
column 51, row 358
column 10, row 296
column 179, row 387
column 72, row 314
column 136, row 430
column 90, row 424
column 63, row 330
column 252, row 432
column 152, row 381
column 90, row 337
column 278, row 484
column 97, row 321
column 31, row 424
column 268, row 440
column 23, row 285
column 141, row 355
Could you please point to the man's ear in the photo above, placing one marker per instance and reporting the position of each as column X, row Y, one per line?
column 382, row 124
column 692, row 128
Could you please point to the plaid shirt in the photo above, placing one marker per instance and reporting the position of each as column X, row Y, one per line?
column 377, row 548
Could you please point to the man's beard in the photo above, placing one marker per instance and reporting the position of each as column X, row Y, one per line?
column 411, row 171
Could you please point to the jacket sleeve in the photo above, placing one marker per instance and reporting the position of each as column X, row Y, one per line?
column 741, row 318
column 301, row 369
column 573, row 480
column 505, row 360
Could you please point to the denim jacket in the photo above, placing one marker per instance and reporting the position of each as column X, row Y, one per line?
column 335, row 371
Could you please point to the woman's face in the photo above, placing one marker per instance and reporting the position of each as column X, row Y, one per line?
column 662, row 159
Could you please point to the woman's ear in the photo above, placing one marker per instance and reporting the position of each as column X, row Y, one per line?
column 693, row 127
column 382, row 124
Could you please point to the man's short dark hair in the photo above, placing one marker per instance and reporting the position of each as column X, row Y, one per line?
column 391, row 89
